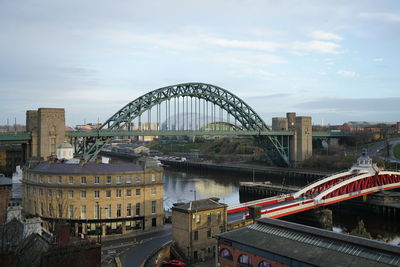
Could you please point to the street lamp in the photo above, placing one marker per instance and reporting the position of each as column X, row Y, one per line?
column 194, row 190
column 99, row 230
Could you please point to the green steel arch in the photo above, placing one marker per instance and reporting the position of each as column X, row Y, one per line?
column 232, row 104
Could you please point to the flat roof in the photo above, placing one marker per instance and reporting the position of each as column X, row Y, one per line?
column 88, row 168
column 315, row 246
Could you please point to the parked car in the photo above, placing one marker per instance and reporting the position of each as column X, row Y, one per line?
column 173, row 263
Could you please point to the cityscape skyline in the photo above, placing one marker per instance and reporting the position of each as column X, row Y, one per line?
column 334, row 61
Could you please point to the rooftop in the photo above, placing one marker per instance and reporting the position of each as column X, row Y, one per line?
column 277, row 238
column 88, row 168
column 5, row 181
column 198, row 205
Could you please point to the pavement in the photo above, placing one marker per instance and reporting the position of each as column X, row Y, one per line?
column 132, row 249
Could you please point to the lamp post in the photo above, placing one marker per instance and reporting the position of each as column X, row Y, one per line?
column 99, row 230
column 194, row 191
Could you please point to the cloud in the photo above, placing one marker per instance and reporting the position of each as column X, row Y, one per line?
column 245, row 58
column 379, row 59
column 322, row 47
column 388, row 17
column 352, row 106
column 347, row 73
column 323, row 35
column 259, row 45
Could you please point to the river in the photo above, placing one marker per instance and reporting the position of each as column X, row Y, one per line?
column 185, row 186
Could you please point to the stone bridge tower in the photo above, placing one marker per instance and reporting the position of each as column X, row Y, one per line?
column 300, row 144
column 47, row 126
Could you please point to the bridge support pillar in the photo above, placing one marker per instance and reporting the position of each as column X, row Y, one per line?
column 255, row 212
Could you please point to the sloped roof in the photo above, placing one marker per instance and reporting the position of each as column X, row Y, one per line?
column 276, row 238
column 198, row 205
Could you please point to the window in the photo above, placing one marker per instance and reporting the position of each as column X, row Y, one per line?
column 129, row 210
column 209, row 233
column 83, row 212
column 138, row 179
column 219, row 216
column 118, row 210
column 108, row 211
column 70, row 194
column 70, row 211
column 41, row 208
column 70, row 180
column 196, row 235
column 41, row 191
column 244, row 259
column 226, row 254
column 96, row 211
column 49, row 192
column 154, row 191
column 108, row 193
column 137, row 209
column 60, row 179
column 128, row 192
column 60, row 213
column 49, row 180
column 108, row 180
column 96, row 179
column 153, row 178
column 50, row 210
column 221, row 229
column 138, row 192
column 118, row 179
column 83, row 180
column 208, row 217
column 198, row 218
column 59, row 194
column 41, row 179
column 96, row 194
column 128, row 179
column 118, row 193
column 264, row 264
column 83, row 194
column 153, row 206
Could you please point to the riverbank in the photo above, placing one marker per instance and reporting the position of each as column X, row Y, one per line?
column 246, row 168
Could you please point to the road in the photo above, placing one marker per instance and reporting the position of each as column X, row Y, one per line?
column 132, row 251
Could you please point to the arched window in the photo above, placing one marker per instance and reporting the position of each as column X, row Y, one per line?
column 244, row 259
column 226, row 254
column 264, row 264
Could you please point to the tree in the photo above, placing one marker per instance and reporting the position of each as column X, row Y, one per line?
column 361, row 231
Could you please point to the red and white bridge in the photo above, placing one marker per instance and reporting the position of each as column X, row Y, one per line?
column 362, row 179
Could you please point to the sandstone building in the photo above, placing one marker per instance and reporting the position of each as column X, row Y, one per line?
column 194, row 226
column 111, row 198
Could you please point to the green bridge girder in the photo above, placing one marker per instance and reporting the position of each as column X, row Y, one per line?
column 15, row 137
column 107, row 133
column 26, row 136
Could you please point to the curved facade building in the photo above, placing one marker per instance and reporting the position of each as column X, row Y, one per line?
column 111, row 198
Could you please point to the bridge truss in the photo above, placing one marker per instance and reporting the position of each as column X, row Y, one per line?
column 186, row 107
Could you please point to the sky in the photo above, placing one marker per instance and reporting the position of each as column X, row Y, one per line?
column 336, row 61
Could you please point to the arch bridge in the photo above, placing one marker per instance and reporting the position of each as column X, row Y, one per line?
column 184, row 109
